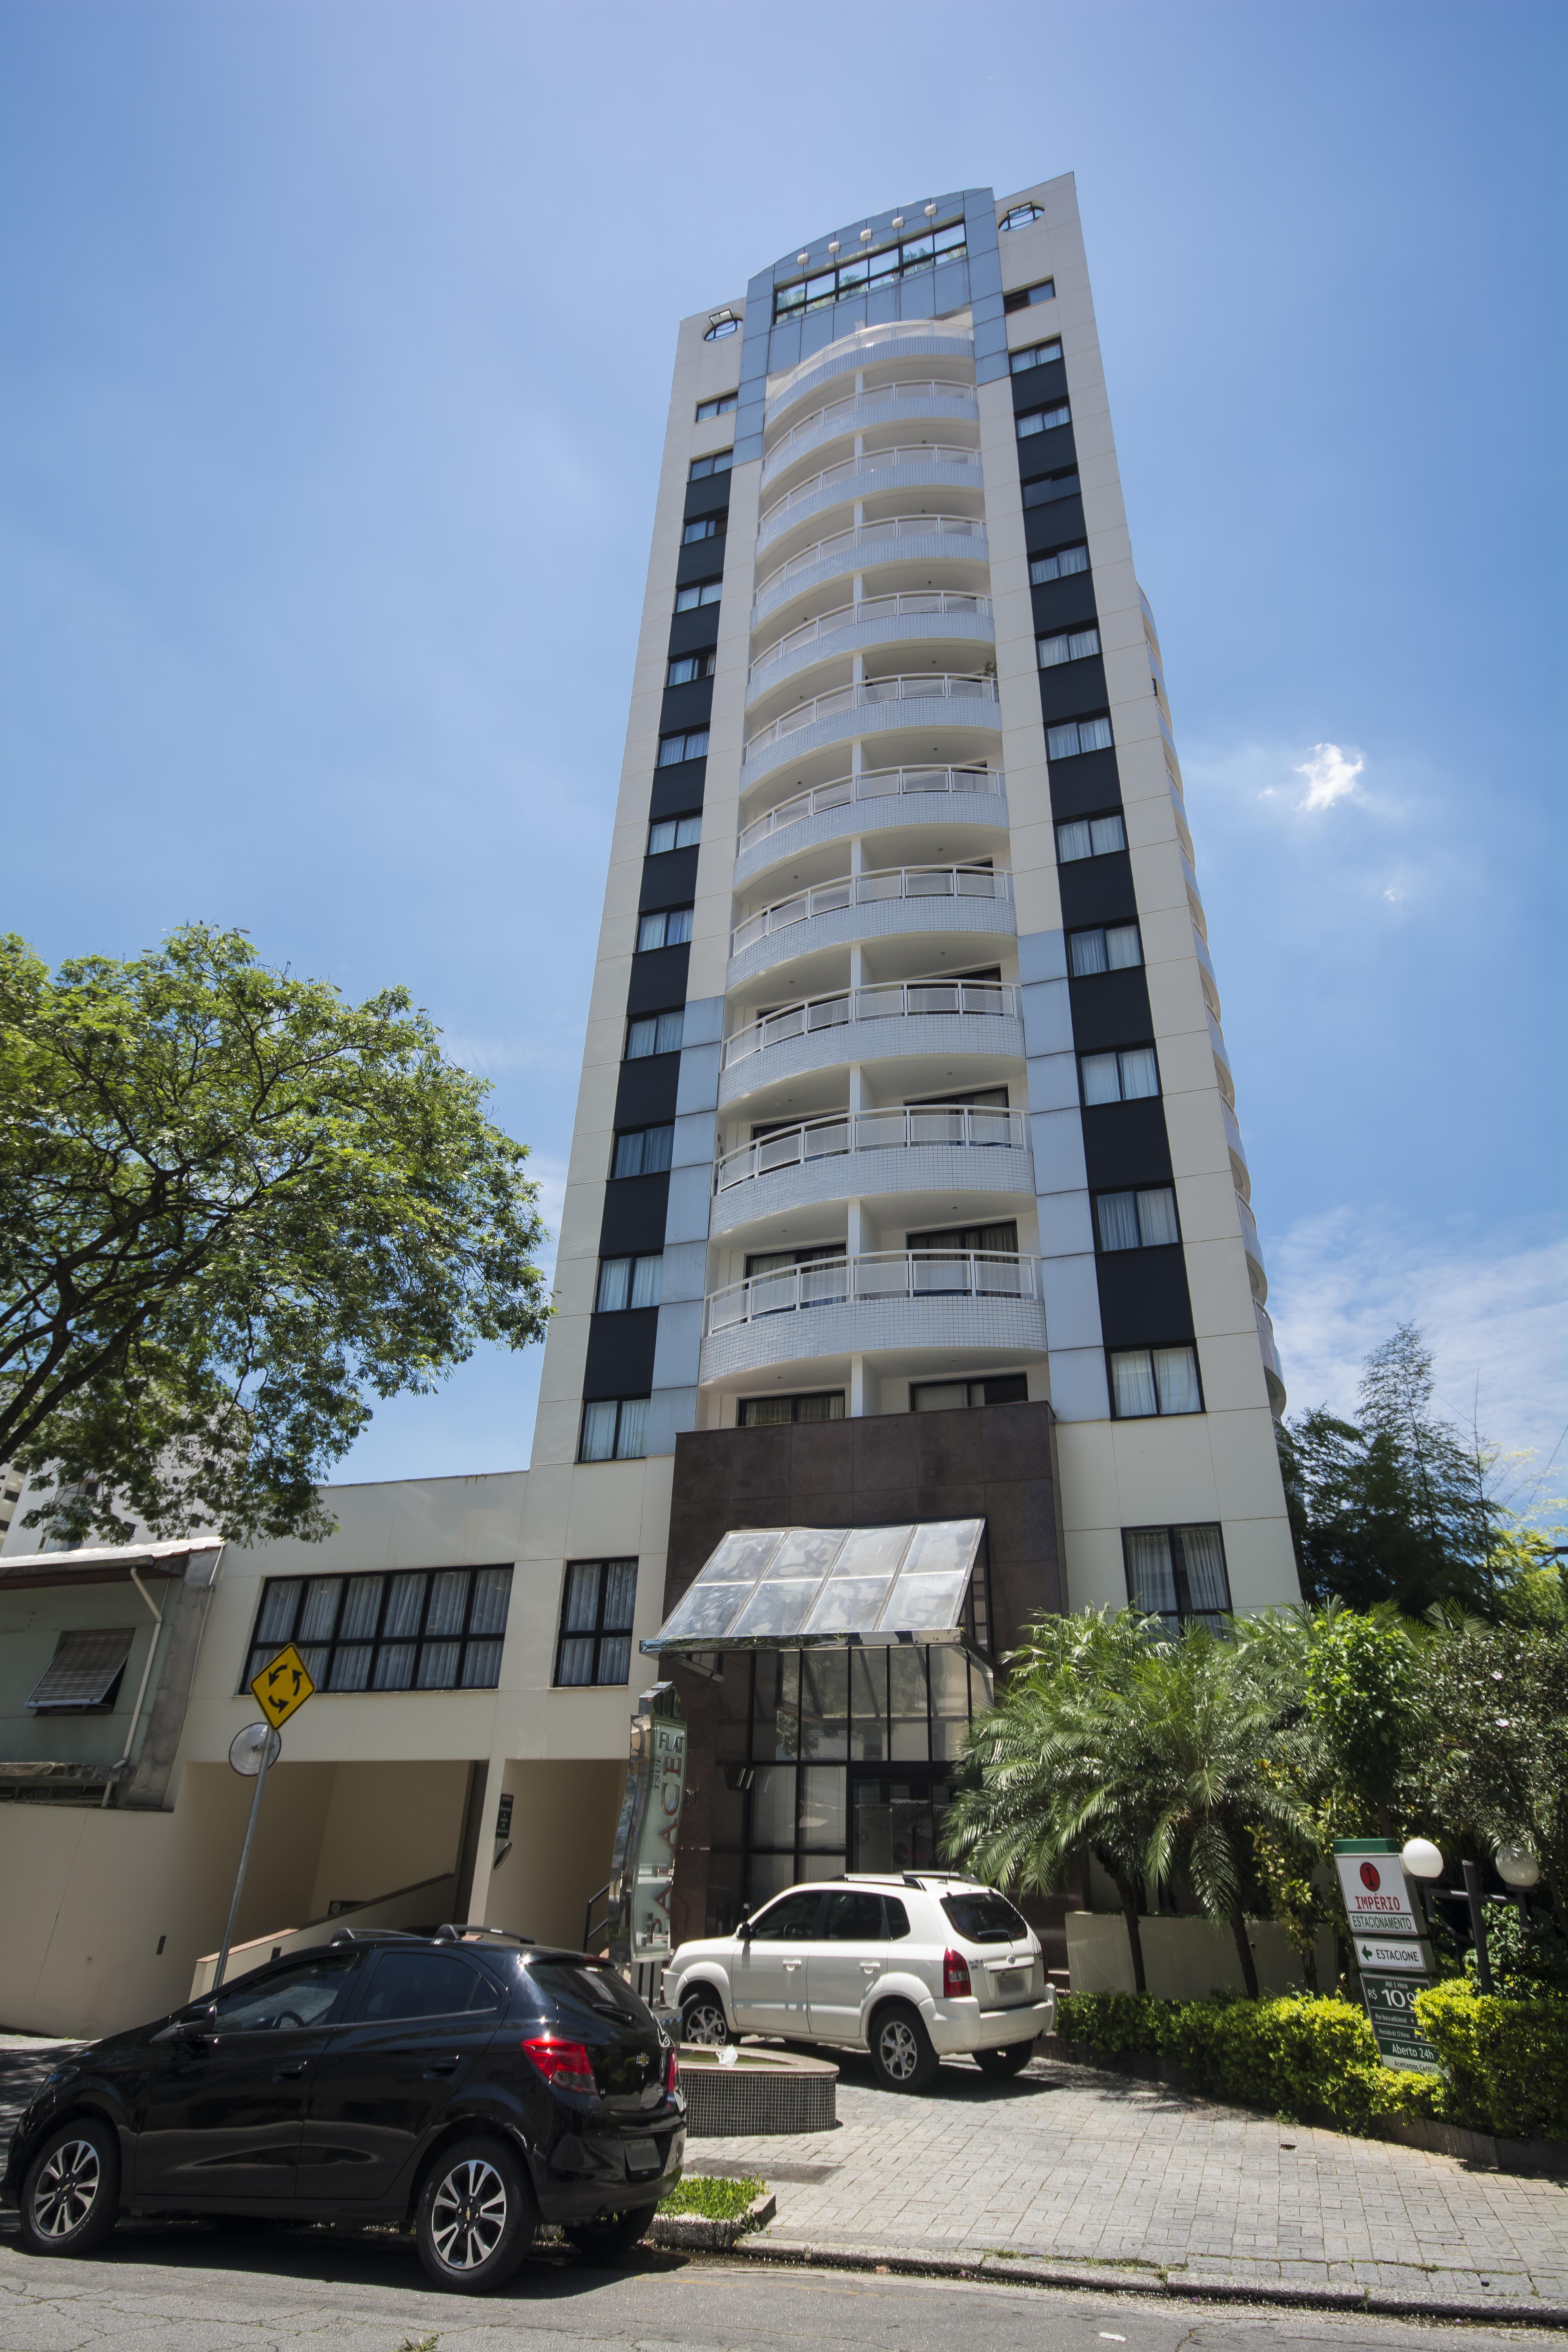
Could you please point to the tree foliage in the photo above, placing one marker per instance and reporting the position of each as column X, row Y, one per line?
column 233, row 1207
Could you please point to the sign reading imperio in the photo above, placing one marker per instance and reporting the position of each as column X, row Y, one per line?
column 1390, row 1945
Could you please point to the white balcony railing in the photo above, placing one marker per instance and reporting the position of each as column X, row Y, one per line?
column 880, row 1273
column 958, row 1124
column 865, row 346
column 925, row 388
column 874, row 461
column 870, row 784
column 872, row 538
column 865, row 890
column 868, row 609
column 894, row 1000
column 935, row 684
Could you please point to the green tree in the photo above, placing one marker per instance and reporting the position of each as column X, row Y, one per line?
column 1395, row 1505
column 233, row 1208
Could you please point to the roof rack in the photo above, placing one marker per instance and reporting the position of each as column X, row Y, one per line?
column 453, row 1933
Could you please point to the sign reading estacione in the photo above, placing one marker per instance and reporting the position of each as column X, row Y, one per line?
column 654, row 1877
column 1384, row 1929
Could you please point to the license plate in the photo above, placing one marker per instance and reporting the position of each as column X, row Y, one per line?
column 642, row 2157
column 1010, row 1981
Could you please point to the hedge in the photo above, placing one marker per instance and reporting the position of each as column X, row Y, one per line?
column 1505, row 2062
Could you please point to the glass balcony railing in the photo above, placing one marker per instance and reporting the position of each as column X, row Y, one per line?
column 920, row 686
column 893, row 1001
column 945, row 1274
column 961, row 1125
column 867, row 610
column 874, row 461
column 865, row 890
column 875, row 542
column 870, row 784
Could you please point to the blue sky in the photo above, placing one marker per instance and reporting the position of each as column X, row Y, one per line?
column 336, row 351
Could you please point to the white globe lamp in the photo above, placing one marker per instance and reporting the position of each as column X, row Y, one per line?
column 1517, row 1867
column 1422, row 1859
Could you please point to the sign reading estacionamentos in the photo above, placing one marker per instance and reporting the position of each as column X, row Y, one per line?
column 282, row 1688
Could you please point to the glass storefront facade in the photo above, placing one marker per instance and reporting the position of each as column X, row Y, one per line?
column 832, row 1760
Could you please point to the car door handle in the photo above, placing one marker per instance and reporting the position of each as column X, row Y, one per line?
column 295, row 2066
column 441, row 2066
column 870, row 1968
column 790, row 1967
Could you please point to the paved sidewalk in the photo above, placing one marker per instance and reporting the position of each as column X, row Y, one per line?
column 1065, row 2164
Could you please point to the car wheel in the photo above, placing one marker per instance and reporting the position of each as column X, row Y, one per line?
column 902, row 2058
column 71, row 2196
column 702, row 2019
column 1010, row 2060
column 477, row 2217
column 610, row 2237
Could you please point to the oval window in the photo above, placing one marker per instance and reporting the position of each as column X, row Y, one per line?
column 1021, row 214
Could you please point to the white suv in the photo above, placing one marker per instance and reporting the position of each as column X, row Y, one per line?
column 913, row 1966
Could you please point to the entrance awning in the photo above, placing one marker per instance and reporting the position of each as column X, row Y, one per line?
column 767, row 1588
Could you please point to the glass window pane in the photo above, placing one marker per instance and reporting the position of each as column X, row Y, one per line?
column 1094, row 735
column 657, row 1143
column 660, row 838
column 940, row 1396
column 853, row 1919
column 909, row 1742
column 362, row 1607
column 316, row 1618
column 448, row 1601
column 1061, row 742
column 1073, row 841
column 772, row 1806
column 688, row 832
column 1072, row 559
column 1118, row 1216
column 849, row 1604
column 1140, row 1073
column 647, row 1276
column 276, row 1622
column 315, row 1658
column 405, row 1599
column 1157, row 1217
column 394, row 1667
column 481, row 1666
column 823, row 1792
column 1177, row 1377
column 438, row 1666
column 1203, row 1556
column 581, row 1614
column 1109, row 833
column 1081, row 642
column 350, row 1666
column 631, row 1437
column 650, row 933
column 620, row 1595
column 1100, row 1078
column 492, row 1591
column 1050, row 651
column 686, row 599
column 1122, row 948
column 614, row 1659
column 615, row 1283
column 1132, row 1385
column 668, row 1029
column 598, row 1431
column 1087, row 955
column 678, row 927
column 1151, row 1584
column 576, row 1665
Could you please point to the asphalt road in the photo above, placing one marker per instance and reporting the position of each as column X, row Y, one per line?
column 194, row 2287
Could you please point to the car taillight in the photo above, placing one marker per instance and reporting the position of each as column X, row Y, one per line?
column 565, row 2064
column 955, row 1977
column 671, row 2069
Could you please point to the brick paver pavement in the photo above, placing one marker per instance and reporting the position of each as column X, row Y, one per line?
column 1065, row 2164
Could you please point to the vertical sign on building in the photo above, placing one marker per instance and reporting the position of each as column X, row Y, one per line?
column 642, row 1875
column 1389, row 1939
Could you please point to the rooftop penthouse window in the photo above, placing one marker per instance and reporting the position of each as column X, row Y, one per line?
column 871, row 268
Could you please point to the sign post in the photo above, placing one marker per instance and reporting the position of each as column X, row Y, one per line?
column 1393, row 1958
column 280, row 1689
column 642, row 1875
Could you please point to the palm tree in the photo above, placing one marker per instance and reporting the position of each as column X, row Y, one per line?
column 1040, row 1808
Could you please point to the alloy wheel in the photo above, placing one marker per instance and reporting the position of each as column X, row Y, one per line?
column 898, row 2048
column 469, row 2214
column 704, row 2023
column 66, row 2188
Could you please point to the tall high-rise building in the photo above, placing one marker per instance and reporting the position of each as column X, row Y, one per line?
column 907, row 1181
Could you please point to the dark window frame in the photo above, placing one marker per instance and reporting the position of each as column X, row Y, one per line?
column 705, row 661
column 1054, row 555
column 673, row 749
column 1095, row 816
column 720, row 405
column 595, row 1461
column 871, row 266
column 1139, row 1045
column 632, row 1259
column 1159, row 1413
column 1029, row 298
column 658, row 825
column 720, row 462
column 323, row 1652
column 1066, row 637
column 1021, row 217
column 1080, row 720
column 602, row 1634
column 1184, row 1612
column 701, row 527
column 1116, row 1191
column 664, row 915
column 1091, row 930
column 1031, row 421
column 696, row 593
column 1034, row 355
column 796, row 1399
column 675, row 1013
column 624, row 1135
column 980, row 1381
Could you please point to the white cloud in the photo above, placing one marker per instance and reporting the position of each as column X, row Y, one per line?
column 1493, row 1304
column 1331, row 774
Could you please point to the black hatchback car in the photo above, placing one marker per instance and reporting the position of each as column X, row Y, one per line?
column 463, row 2085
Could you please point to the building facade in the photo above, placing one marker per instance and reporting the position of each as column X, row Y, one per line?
column 906, row 1185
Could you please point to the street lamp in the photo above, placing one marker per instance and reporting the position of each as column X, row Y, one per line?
column 1517, row 1867
column 1422, row 1859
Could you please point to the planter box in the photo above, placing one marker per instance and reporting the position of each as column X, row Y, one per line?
column 699, row 2235
column 765, row 2092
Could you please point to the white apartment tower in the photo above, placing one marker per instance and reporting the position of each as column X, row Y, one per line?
column 907, row 1181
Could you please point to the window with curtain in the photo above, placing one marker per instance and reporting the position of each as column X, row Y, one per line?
column 642, row 1151
column 684, row 668
column 674, row 833
column 1148, row 1380
column 1033, row 356
column 414, row 1629
column 1139, row 1220
column 670, row 927
column 692, row 745
column 1073, row 645
column 1130, row 1075
column 1078, row 735
column 1044, row 420
column 1026, row 297
column 626, row 1282
column 700, row 592
column 1089, row 836
column 1059, row 565
column 1114, row 947
column 598, row 1598
column 718, row 463
column 615, row 1429
column 656, row 1033
column 770, row 1411
column 720, row 408
column 1178, row 1574
column 705, row 527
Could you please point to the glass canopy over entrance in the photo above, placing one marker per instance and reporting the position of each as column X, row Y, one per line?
column 765, row 1586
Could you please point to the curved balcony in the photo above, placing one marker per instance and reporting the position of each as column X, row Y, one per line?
column 871, row 906
column 888, row 1300
column 890, row 404
column 897, row 539
column 875, row 706
column 930, row 1147
column 910, row 1020
column 898, row 796
column 930, row 465
column 867, row 347
column 1273, row 1379
column 908, row 616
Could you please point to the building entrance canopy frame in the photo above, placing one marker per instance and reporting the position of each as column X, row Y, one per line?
column 915, row 1582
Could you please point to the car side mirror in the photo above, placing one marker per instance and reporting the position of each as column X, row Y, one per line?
column 199, row 2028
column 745, row 1931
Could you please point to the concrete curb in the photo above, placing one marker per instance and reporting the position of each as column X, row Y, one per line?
column 1513, row 2311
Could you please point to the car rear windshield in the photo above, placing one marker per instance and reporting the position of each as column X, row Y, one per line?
column 985, row 1918
column 594, row 1987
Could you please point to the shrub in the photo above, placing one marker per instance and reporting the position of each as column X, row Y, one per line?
column 716, row 2201
column 1505, row 2061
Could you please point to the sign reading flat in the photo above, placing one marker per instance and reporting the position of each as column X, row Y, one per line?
column 281, row 1689
column 1390, row 2011
column 654, row 1881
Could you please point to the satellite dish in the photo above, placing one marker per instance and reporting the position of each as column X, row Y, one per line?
column 248, row 1746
